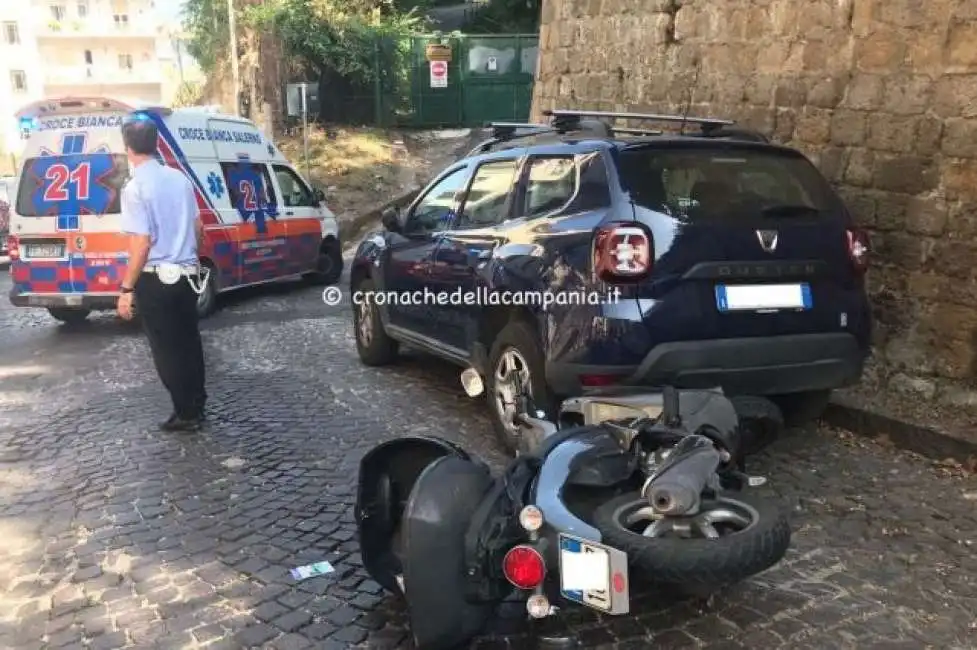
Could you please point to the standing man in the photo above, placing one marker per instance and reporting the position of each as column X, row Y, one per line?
column 160, row 215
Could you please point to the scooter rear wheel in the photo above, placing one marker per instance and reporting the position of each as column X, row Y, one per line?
column 739, row 551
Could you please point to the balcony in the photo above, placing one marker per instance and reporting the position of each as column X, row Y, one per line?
column 97, row 26
column 102, row 75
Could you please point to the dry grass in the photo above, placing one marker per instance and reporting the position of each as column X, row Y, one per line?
column 358, row 167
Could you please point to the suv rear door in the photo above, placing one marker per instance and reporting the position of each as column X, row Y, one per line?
column 749, row 240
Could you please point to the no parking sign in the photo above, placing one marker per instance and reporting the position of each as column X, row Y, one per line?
column 439, row 74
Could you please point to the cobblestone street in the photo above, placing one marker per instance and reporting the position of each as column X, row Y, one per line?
column 115, row 535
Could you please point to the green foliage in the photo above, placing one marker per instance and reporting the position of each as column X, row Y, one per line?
column 506, row 17
column 206, row 21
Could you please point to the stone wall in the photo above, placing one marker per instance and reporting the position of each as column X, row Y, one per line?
column 881, row 94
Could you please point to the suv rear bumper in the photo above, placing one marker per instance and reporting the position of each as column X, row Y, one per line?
column 756, row 366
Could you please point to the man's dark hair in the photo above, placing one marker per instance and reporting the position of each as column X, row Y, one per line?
column 140, row 136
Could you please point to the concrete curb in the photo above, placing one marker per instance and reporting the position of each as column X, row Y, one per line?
column 923, row 440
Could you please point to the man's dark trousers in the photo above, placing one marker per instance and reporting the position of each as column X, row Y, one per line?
column 169, row 316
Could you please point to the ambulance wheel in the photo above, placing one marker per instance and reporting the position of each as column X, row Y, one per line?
column 69, row 315
column 207, row 299
column 329, row 264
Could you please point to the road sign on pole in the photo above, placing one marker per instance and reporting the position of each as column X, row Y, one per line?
column 439, row 74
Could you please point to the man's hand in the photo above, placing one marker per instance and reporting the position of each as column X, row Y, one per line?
column 124, row 306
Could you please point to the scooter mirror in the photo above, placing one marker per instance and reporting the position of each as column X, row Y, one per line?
column 472, row 382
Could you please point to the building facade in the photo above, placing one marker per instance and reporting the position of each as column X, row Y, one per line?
column 53, row 48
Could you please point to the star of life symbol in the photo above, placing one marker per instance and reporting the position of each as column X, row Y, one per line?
column 215, row 185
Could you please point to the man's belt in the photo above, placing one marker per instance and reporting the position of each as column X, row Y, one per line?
column 171, row 273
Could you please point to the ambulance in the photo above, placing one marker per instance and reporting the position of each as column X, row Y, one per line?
column 262, row 221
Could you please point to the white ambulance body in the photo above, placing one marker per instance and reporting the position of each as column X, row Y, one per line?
column 262, row 221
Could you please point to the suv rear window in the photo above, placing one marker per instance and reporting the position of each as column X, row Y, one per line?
column 72, row 184
column 704, row 184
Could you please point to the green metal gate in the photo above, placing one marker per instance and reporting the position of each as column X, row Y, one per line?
column 490, row 78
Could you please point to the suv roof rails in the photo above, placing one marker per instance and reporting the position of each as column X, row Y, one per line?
column 506, row 132
column 567, row 118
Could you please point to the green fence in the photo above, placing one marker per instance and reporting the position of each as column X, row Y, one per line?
column 490, row 78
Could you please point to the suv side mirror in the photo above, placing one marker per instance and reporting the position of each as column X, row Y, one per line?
column 390, row 218
column 318, row 194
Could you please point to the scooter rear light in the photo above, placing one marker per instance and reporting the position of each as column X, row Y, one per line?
column 531, row 518
column 523, row 566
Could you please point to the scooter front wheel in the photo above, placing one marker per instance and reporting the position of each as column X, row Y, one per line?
column 731, row 539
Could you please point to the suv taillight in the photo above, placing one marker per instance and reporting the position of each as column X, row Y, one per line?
column 13, row 247
column 858, row 249
column 622, row 252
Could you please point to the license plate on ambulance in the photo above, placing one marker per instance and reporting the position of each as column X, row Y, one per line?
column 763, row 297
column 44, row 250
column 594, row 575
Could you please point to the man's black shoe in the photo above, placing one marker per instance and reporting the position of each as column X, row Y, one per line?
column 169, row 422
column 183, row 425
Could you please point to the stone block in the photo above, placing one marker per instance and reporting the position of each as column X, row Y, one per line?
column 848, row 128
column 785, row 119
column 926, row 215
column 791, row 92
column 959, row 178
column 895, row 133
column 925, row 54
column 890, row 211
column 864, row 92
column 833, row 161
column 827, row 92
column 813, row 126
column 881, row 51
column 961, row 220
column 960, row 137
column 859, row 171
column 954, row 96
column 907, row 94
column 961, row 46
column 906, row 174
column 861, row 206
column 929, row 134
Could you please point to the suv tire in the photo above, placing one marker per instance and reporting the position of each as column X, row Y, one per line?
column 800, row 409
column 373, row 344
column 517, row 342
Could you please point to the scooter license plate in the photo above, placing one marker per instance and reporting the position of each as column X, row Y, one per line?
column 594, row 575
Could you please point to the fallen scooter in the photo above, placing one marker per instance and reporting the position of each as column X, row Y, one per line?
column 650, row 484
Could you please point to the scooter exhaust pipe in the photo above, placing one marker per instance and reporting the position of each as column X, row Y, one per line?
column 676, row 488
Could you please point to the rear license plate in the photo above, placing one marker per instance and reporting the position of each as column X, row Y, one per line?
column 763, row 297
column 44, row 250
column 594, row 575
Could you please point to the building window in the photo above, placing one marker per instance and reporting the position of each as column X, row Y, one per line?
column 125, row 61
column 18, row 81
column 57, row 12
column 121, row 20
column 83, row 9
column 11, row 35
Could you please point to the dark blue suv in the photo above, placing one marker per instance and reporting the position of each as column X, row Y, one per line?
column 702, row 259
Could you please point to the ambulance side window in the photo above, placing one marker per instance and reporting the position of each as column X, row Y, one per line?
column 242, row 180
column 295, row 193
